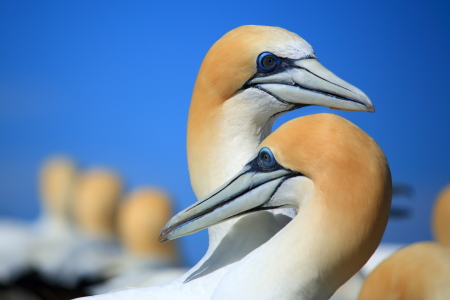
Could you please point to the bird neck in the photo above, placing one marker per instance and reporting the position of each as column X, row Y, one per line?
column 222, row 137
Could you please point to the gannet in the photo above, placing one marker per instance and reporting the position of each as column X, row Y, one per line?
column 140, row 218
column 304, row 169
column 96, row 201
column 21, row 242
column 339, row 179
column 146, row 262
column 417, row 271
column 89, row 254
column 248, row 78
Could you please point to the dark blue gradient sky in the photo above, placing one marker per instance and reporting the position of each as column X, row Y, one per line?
column 110, row 82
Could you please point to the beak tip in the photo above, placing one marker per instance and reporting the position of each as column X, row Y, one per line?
column 366, row 101
column 163, row 236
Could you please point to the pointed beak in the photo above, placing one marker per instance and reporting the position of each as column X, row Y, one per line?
column 307, row 82
column 247, row 192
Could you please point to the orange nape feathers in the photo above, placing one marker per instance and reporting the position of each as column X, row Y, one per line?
column 140, row 219
column 347, row 166
column 416, row 272
column 441, row 217
column 95, row 204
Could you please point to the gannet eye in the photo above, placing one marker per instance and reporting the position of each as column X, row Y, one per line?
column 265, row 158
column 267, row 62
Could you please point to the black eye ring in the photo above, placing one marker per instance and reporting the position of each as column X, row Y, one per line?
column 266, row 158
column 267, row 62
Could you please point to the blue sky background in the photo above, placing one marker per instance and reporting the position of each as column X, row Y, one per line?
column 110, row 82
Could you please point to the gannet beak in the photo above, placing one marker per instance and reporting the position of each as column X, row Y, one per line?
column 307, row 82
column 249, row 191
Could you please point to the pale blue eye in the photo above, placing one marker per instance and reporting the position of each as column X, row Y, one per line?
column 267, row 62
column 265, row 158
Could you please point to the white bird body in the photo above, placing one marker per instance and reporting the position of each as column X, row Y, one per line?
column 16, row 239
column 84, row 258
column 176, row 290
column 52, row 240
column 34, row 245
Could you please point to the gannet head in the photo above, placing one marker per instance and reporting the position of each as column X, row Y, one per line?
column 441, row 217
column 96, row 198
column 277, row 62
column 57, row 181
column 140, row 218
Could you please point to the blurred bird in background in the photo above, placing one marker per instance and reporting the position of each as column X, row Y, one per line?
column 417, row 271
column 87, row 257
column 26, row 249
column 146, row 261
column 86, row 236
column 21, row 243
column 441, row 217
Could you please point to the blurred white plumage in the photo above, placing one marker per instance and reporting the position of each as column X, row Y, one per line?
column 33, row 245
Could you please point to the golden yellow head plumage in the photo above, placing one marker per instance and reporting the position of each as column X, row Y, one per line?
column 96, row 198
column 327, row 147
column 141, row 216
column 57, row 180
column 441, row 217
column 232, row 60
